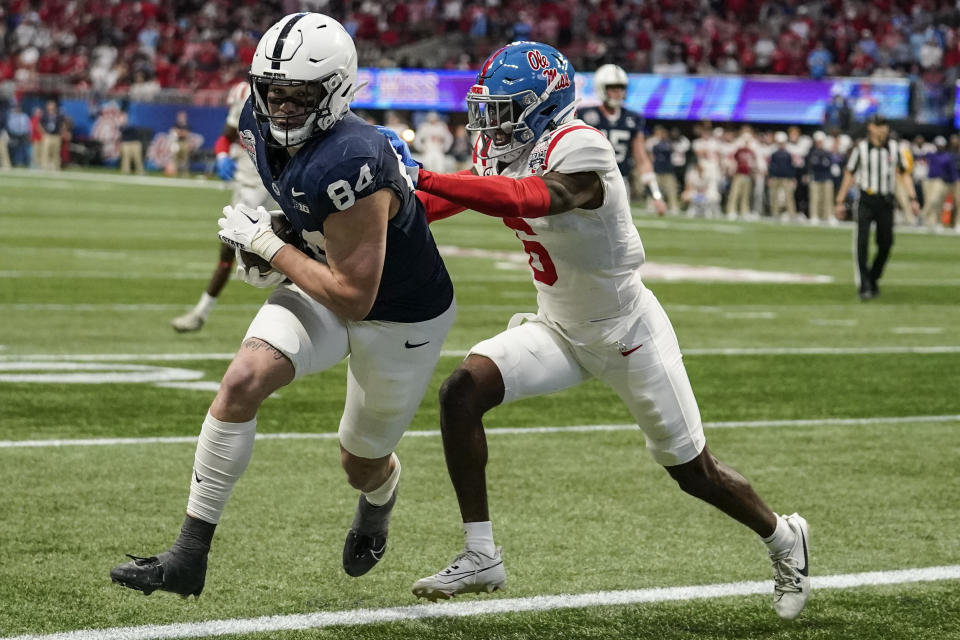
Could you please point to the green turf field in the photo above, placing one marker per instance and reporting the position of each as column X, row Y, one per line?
column 846, row 412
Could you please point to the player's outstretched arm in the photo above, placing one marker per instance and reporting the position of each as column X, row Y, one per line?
column 503, row 197
column 355, row 242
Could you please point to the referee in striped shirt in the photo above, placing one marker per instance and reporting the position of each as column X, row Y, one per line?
column 874, row 164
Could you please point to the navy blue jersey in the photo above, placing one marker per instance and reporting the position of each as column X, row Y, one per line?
column 662, row 153
column 781, row 165
column 328, row 174
column 820, row 164
column 620, row 131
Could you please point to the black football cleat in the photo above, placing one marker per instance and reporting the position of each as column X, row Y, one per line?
column 177, row 572
column 367, row 538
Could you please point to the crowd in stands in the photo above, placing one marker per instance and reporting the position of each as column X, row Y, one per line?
column 141, row 46
column 791, row 176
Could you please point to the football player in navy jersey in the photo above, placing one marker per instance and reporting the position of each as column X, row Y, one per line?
column 624, row 129
column 366, row 281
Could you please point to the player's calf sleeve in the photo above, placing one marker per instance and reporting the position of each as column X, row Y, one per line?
column 223, row 452
column 381, row 495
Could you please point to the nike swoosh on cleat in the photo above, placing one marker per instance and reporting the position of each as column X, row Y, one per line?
column 626, row 353
column 414, row 346
column 806, row 564
column 378, row 553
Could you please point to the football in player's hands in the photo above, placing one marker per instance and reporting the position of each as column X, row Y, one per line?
column 284, row 230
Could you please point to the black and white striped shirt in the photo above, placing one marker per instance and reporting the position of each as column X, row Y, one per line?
column 875, row 168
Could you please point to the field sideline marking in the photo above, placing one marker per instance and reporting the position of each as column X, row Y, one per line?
column 459, row 609
column 496, row 431
column 733, row 351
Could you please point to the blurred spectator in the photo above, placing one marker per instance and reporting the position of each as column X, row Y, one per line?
column 106, row 131
column 819, row 167
column 51, row 123
column 661, row 152
column 18, row 126
column 941, row 177
column 781, row 180
column 181, row 146
column 838, row 114
column 36, row 137
column 818, row 62
column 143, row 89
column 433, row 140
column 701, row 191
column 4, row 149
column 745, row 167
column 131, row 147
column 462, row 149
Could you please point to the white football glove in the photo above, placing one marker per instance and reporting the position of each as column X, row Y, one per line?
column 254, row 277
column 250, row 230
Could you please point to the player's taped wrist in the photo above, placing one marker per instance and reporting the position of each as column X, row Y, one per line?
column 266, row 244
column 497, row 196
column 437, row 208
column 650, row 179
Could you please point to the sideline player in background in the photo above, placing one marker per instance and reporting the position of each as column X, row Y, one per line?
column 624, row 129
column 234, row 165
column 369, row 284
column 555, row 182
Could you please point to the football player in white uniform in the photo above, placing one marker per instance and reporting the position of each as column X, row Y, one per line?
column 624, row 129
column 367, row 282
column 234, row 165
column 554, row 181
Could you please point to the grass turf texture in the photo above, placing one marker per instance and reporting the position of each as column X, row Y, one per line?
column 91, row 268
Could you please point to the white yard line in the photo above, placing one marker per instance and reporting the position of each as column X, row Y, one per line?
column 733, row 351
column 495, row 606
column 501, row 431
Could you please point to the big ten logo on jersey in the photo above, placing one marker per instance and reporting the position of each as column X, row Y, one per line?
column 249, row 144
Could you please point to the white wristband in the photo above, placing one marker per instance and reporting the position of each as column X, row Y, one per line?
column 266, row 244
column 650, row 179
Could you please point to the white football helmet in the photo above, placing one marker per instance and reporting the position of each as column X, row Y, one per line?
column 310, row 61
column 609, row 75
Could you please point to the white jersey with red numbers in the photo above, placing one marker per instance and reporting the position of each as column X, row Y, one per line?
column 585, row 262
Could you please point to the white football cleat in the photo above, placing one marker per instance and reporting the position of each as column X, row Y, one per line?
column 191, row 321
column 791, row 572
column 470, row 572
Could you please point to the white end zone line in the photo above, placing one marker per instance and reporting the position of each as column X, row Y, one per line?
column 500, row 431
column 358, row 617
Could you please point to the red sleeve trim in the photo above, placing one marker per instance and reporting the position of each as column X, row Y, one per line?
column 562, row 133
column 222, row 145
column 493, row 195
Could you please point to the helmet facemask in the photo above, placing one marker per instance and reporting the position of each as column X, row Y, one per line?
column 296, row 110
column 502, row 120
